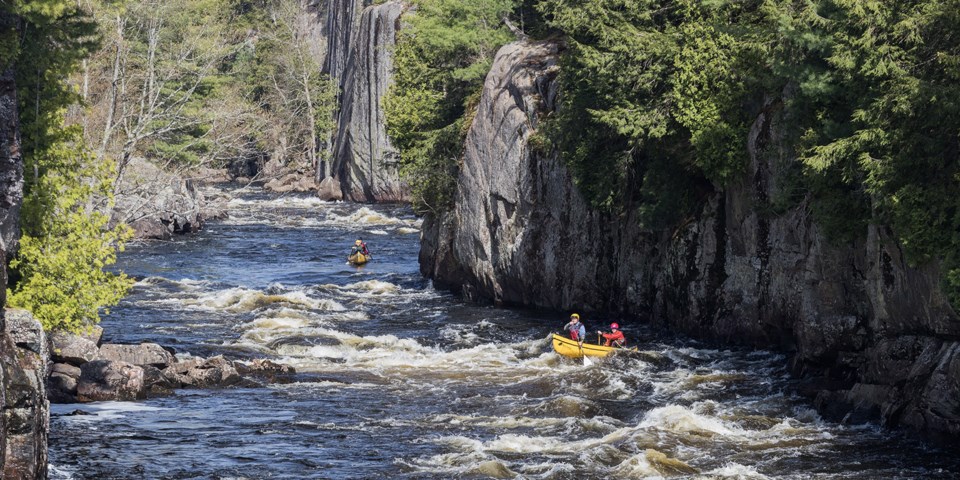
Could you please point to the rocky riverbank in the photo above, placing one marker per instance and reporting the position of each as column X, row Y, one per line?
column 873, row 337
column 86, row 370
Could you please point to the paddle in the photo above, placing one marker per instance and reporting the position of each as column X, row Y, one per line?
column 586, row 360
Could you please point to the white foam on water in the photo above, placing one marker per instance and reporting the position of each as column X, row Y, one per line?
column 403, row 359
column 372, row 287
column 680, row 419
column 366, row 216
column 109, row 410
column 183, row 283
column 459, row 335
column 407, row 230
column 304, row 202
column 377, row 232
column 61, row 473
column 737, row 471
column 239, row 300
column 505, row 422
column 326, row 386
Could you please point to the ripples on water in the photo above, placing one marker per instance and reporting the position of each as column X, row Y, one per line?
column 398, row 380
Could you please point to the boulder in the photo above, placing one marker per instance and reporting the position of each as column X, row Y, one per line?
column 62, row 388
column 213, row 372
column 156, row 382
column 143, row 354
column 267, row 370
column 65, row 369
column 102, row 380
column 211, row 175
column 156, row 203
column 291, row 182
column 75, row 349
column 330, row 189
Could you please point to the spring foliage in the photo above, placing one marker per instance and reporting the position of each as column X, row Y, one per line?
column 66, row 244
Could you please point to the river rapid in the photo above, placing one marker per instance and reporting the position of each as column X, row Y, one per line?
column 398, row 380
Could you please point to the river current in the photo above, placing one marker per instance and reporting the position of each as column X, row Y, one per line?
column 398, row 380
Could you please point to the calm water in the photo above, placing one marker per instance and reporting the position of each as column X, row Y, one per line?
column 397, row 380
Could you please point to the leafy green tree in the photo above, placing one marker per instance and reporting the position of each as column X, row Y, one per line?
column 66, row 243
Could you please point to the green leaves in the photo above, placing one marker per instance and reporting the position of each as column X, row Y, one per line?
column 442, row 55
column 66, row 243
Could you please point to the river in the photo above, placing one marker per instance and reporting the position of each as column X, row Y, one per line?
column 398, row 380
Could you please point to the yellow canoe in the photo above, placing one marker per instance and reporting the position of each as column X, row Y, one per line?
column 570, row 348
column 358, row 259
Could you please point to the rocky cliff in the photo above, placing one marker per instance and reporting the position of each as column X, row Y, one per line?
column 871, row 335
column 363, row 166
column 24, row 411
column 25, row 420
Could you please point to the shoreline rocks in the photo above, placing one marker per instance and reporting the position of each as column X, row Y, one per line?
column 137, row 371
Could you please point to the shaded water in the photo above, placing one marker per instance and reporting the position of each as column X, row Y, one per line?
column 397, row 380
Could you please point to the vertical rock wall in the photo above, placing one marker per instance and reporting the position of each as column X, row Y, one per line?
column 871, row 335
column 361, row 163
column 24, row 411
column 367, row 166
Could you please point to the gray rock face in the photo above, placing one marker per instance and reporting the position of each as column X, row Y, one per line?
column 880, row 333
column 365, row 163
column 336, row 24
column 11, row 164
column 24, row 410
column 158, row 204
column 143, row 354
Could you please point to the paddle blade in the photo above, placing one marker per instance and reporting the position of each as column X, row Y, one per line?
column 587, row 362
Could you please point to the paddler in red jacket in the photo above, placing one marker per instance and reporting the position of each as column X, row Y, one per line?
column 615, row 337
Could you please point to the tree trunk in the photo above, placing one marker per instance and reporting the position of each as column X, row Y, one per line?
column 112, row 106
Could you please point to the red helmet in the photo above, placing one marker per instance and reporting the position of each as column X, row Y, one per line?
column 615, row 326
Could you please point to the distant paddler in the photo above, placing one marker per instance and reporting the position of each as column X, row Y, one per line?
column 359, row 253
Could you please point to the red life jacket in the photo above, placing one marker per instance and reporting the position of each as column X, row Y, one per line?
column 616, row 338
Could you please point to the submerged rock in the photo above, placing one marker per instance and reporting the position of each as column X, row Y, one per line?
column 879, row 332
